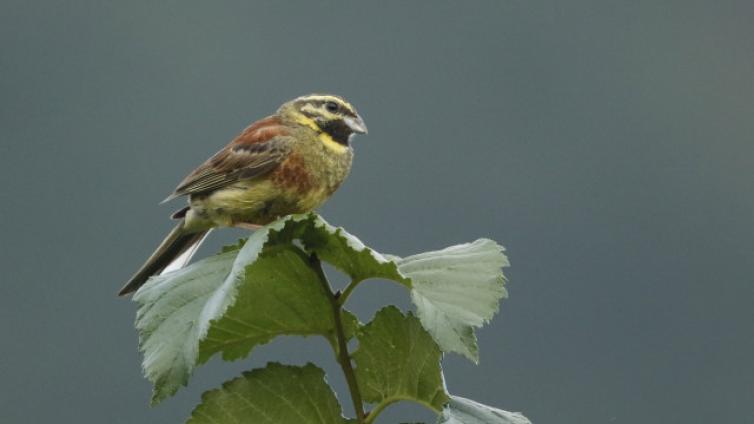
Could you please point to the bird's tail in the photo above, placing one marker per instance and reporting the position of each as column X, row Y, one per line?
column 174, row 252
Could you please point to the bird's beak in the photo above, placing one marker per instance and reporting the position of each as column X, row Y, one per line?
column 356, row 124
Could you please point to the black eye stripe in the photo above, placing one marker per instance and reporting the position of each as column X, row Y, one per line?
column 347, row 112
column 342, row 108
column 332, row 107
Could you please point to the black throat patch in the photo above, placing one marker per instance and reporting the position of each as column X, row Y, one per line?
column 338, row 130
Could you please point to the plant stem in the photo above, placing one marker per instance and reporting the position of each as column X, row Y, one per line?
column 347, row 292
column 344, row 359
column 377, row 410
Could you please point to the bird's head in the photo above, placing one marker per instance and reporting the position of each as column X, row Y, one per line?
column 332, row 116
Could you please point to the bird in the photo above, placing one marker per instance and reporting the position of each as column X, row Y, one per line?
column 287, row 163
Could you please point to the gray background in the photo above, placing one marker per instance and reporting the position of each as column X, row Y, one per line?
column 607, row 144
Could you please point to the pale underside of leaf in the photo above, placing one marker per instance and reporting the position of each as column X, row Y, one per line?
column 455, row 290
column 236, row 300
column 464, row 411
column 167, row 320
column 178, row 309
column 282, row 295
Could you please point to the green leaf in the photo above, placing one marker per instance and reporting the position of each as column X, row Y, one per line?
column 397, row 360
column 456, row 289
column 179, row 309
column 276, row 394
column 281, row 295
column 465, row 411
column 348, row 254
column 336, row 246
column 265, row 287
column 167, row 320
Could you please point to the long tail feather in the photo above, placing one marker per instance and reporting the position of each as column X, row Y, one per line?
column 183, row 259
column 174, row 252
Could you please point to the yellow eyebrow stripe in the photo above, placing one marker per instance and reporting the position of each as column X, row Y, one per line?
column 326, row 98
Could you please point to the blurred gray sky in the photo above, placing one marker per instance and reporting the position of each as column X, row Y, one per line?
column 609, row 145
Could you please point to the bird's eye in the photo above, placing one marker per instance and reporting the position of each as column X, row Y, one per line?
column 331, row 107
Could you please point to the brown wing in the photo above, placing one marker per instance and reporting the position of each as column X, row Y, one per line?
column 256, row 151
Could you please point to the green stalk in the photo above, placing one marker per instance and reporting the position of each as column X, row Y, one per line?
column 347, row 292
column 341, row 353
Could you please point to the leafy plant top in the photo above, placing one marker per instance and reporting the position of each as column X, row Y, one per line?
column 272, row 284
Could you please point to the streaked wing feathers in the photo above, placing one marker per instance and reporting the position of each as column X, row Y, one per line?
column 255, row 152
